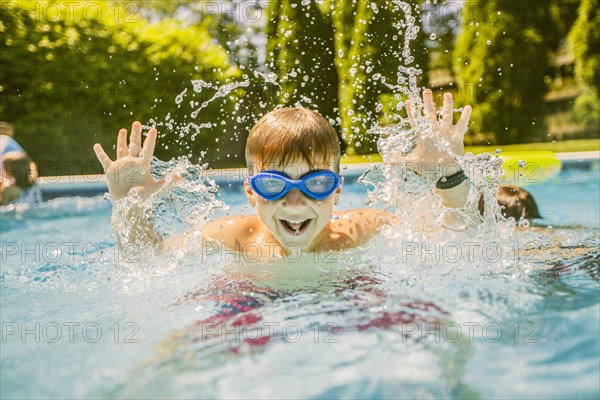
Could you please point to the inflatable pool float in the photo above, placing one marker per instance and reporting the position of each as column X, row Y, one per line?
column 529, row 167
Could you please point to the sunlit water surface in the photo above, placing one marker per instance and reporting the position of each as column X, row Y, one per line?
column 375, row 322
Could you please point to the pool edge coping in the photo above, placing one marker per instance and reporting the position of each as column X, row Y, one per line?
column 230, row 175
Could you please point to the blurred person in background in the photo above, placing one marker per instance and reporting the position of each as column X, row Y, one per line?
column 18, row 171
column 515, row 202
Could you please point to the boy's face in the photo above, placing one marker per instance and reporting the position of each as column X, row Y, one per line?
column 295, row 219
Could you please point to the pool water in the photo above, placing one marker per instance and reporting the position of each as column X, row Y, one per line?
column 81, row 320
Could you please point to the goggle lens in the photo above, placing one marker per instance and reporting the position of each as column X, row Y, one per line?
column 320, row 184
column 273, row 185
column 269, row 184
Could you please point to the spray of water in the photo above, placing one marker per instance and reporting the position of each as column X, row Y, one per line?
column 185, row 202
column 413, row 199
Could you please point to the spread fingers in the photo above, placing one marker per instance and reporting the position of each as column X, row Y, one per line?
column 410, row 113
column 102, row 156
column 149, row 144
column 122, row 144
column 447, row 110
column 463, row 122
column 135, row 141
column 429, row 106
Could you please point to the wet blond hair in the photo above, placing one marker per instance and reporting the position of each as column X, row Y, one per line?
column 289, row 134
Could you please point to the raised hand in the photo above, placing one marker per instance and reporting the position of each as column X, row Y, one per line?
column 131, row 169
column 427, row 155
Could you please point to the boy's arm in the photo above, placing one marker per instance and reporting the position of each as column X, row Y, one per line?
column 427, row 159
column 33, row 172
column 139, row 229
column 455, row 197
column 130, row 170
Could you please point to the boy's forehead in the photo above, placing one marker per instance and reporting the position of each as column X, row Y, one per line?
column 296, row 167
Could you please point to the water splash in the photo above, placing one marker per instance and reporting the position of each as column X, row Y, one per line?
column 221, row 92
column 409, row 196
column 413, row 198
column 186, row 200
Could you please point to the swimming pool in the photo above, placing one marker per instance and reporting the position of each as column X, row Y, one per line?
column 385, row 321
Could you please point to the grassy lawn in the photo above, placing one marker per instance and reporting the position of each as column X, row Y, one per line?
column 558, row 147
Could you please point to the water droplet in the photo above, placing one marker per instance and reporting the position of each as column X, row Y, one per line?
column 433, row 36
column 179, row 98
column 489, row 42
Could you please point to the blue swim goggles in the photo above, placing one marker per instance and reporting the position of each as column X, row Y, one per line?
column 273, row 185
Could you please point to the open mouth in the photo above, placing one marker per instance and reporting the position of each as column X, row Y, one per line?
column 295, row 227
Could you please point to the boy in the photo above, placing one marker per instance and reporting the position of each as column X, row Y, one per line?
column 293, row 158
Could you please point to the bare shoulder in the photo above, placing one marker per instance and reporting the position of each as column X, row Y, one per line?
column 8, row 194
column 355, row 227
column 232, row 230
column 365, row 216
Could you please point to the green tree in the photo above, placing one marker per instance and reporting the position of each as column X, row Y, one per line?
column 441, row 21
column 346, row 50
column 500, row 61
column 584, row 40
column 237, row 27
column 300, row 51
column 370, row 49
column 71, row 78
column 564, row 13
